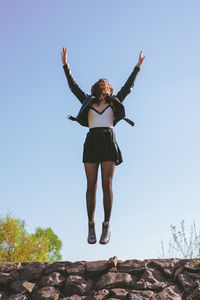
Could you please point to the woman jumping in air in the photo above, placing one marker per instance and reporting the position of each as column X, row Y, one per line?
column 100, row 111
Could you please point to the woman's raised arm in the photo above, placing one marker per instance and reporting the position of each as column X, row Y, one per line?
column 74, row 87
column 128, row 86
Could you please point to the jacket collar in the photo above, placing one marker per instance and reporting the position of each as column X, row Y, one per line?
column 92, row 98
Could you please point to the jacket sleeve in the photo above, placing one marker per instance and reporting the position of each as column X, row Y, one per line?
column 74, row 87
column 128, row 86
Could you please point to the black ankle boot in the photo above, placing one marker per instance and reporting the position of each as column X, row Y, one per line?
column 105, row 236
column 91, row 233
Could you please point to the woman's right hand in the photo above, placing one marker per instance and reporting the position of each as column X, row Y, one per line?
column 64, row 56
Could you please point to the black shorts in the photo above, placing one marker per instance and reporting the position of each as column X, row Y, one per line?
column 101, row 145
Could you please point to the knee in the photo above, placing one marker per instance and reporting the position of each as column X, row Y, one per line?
column 91, row 186
column 107, row 184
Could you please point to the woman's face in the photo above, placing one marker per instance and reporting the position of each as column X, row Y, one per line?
column 105, row 88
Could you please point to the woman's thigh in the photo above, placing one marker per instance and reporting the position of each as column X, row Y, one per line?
column 107, row 171
column 91, row 171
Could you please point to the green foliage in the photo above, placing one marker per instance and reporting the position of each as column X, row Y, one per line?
column 17, row 245
column 54, row 243
column 181, row 246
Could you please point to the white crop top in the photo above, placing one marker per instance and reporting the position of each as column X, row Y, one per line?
column 100, row 119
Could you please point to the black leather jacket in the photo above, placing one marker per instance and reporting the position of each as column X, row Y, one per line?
column 87, row 100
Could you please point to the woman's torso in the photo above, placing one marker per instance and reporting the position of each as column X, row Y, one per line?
column 101, row 115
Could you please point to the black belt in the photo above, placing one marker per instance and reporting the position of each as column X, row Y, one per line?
column 96, row 128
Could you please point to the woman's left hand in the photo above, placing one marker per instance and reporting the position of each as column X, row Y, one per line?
column 141, row 58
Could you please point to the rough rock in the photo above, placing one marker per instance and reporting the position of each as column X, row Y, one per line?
column 97, row 268
column 177, row 272
column 9, row 267
column 140, row 295
column 119, row 293
column 2, row 294
column 166, row 266
column 22, row 286
column 5, row 278
column 56, row 267
column 101, row 294
column 132, row 266
column 196, row 293
column 153, row 279
column 48, row 292
column 187, row 283
column 53, row 279
column 77, row 268
column 112, row 280
column 169, row 293
column 32, row 271
column 77, row 285
column 112, row 262
column 75, row 297
column 192, row 266
column 17, row 297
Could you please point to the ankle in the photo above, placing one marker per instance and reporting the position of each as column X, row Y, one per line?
column 91, row 223
column 105, row 223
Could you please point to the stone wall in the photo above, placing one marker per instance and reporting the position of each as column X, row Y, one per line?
column 104, row 279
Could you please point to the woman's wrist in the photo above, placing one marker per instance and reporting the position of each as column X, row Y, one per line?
column 138, row 65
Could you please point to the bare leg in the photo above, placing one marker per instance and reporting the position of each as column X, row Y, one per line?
column 91, row 170
column 107, row 171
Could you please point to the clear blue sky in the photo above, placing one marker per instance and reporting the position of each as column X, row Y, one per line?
column 41, row 171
